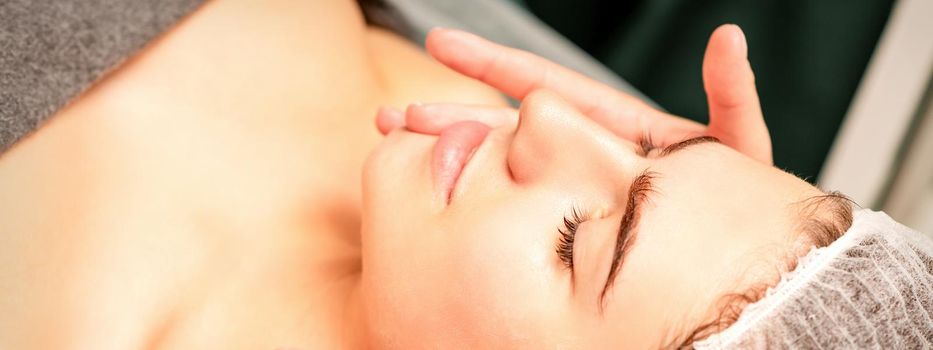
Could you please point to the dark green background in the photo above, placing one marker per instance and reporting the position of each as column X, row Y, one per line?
column 808, row 57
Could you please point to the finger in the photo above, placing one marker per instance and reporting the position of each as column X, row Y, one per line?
column 388, row 119
column 434, row 118
column 734, row 108
column 516, row 73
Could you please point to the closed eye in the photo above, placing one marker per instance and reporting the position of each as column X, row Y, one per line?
column 646, row 145
column 638, row 192
column 567, row 234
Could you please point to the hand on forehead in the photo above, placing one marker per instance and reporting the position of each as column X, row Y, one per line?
column 735, row 113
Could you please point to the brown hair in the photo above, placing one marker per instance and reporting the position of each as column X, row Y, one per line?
column 823, row 219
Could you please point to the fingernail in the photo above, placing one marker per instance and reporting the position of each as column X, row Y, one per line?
column 741, row 32
column 414, row 105
column 743, row 43
column 411, row 107
column 390, row 112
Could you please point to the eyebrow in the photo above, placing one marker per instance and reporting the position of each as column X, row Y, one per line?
column 687, row 143
column 638, row 192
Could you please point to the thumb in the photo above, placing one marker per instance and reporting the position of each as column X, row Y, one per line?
column 734, row 109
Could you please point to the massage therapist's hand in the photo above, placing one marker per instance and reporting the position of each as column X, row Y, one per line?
column 735, row 113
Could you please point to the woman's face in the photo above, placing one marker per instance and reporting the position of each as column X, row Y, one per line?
column 483, row 270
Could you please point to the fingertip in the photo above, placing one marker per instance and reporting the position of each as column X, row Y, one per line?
column 726, row 69
column 729, row 40
column 454, row 47
column 433, row 39
column 438, row 36
column 743, row 42
column 734, row 106
column 388, row 119
column 440, row 45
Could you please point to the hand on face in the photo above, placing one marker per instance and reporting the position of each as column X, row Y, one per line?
column 488, row 267
column 735, row 114
column 488, row 258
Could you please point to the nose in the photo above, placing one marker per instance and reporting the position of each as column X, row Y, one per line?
column 555, row 142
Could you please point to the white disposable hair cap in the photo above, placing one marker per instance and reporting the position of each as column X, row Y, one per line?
column 870, row 289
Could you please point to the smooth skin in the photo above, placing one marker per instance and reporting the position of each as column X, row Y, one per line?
column 482, row 271
column 206, row 194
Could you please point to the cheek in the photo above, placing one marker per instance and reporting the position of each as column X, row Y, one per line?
column 504, row 277
column 423, row 293
column 466, row 282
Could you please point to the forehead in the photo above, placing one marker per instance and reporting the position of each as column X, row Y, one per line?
column 713, row 226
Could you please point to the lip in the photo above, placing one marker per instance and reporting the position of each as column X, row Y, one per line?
column 454, row 149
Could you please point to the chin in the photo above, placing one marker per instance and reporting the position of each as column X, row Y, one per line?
column 397, row 177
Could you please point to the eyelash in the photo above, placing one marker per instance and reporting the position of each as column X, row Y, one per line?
column 567, row 234
column 647, row 144
column 568, row 231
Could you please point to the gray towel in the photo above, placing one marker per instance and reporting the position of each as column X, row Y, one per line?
column 51, row 51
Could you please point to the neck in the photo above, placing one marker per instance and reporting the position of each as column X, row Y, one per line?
column 329, row 248
column 355, row 330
